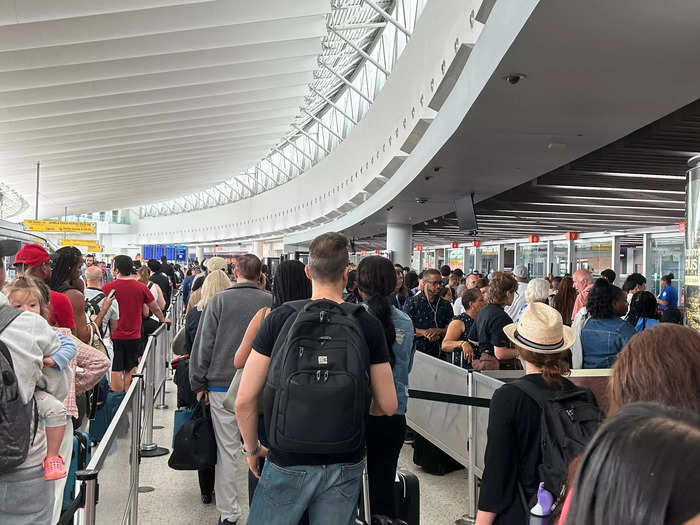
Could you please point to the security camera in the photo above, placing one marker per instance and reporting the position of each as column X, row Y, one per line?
column 421, row 200
column 514, row 79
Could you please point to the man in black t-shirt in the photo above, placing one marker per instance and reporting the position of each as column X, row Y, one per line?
column 325, row 484
column 162, row 280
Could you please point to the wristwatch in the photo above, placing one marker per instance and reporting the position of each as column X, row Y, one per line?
column 252, row 452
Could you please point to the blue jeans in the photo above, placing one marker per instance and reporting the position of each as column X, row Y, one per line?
column 330, row 492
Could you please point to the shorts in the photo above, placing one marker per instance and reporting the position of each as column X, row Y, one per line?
column 126, row 354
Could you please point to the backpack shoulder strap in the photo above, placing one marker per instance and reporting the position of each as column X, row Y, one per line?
column 7, row 315
column 538, row 395
column 95, row 301
column 352, row 309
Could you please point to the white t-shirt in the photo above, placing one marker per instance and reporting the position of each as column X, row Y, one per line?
column 154, row 288
column 111, row 315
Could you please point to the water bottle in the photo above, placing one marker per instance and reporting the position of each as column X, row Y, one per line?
column 540, row 513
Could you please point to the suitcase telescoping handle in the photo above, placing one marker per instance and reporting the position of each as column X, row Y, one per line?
column 366, row 511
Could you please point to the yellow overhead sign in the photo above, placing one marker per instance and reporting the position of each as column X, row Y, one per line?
column 60, row 226
column 91, row 245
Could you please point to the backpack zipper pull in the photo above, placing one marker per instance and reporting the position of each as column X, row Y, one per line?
column 325, row 376
column 318, row 376
column 301, row 351
column 570, row 413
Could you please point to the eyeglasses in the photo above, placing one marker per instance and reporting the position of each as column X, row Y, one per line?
column 433, row 282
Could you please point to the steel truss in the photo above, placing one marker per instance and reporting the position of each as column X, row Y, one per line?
column 365, row 39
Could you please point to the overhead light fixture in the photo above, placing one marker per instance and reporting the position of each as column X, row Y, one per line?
column 514, row 78
column 421, row 200
column 556, row 146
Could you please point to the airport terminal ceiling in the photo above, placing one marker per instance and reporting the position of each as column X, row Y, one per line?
column 139, row 101
column 635, row 182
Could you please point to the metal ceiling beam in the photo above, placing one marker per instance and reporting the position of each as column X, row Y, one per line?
column 345, row 81
column 334, row 105
column 388, row 17
column 360, row 51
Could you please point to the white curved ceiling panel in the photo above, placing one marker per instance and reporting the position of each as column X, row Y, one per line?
column 142, row 100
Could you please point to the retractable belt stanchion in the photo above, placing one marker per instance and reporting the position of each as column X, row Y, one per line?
column 471, row 401
column 161, row 362
column 149, row 449
column 136, row 453
column 88, row 481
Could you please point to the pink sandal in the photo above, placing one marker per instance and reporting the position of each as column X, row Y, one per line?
column 54, row 468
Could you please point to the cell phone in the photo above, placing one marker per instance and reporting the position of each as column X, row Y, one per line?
column 111, row 294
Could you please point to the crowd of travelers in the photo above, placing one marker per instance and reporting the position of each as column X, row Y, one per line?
column 305, row 372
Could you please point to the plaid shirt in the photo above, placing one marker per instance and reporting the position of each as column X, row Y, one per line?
column 88, row 367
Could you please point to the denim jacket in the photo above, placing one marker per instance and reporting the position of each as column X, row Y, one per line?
column 602, row 339
column 403, row 356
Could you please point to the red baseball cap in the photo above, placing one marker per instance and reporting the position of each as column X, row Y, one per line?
column 32, row 255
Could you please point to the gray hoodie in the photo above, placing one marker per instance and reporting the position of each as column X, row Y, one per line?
column 220, row 332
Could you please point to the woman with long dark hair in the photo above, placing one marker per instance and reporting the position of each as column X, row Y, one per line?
column 641, row 467
column 385, row 434
column 563, row 300
column 65, row 279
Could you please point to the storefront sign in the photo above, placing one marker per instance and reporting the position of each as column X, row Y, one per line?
column 534, row 238
column 90, row 245
column 60, row 226
column 571, row 236
column 454, row 244
column 477, row 244
column 419, row 247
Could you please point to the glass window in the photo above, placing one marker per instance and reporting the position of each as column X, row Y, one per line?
column 560, row 258
column 456, row 260
column 440, row 259
column 666, row 257
column 534, row 256
column 489, row 259
column 594, row 255
column 429, row 259
column 469, row 265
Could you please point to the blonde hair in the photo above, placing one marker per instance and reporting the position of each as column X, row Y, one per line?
column 37, row 289
column 217, row 281
column 143, row 274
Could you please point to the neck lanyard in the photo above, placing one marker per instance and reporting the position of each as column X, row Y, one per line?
column 434, row 309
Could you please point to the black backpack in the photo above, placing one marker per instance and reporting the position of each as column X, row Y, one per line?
column 570, row 417
column 92, row 307
column 317, row 392
column 15, row 416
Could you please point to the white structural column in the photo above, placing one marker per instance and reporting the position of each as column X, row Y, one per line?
column 257, row 249
column 615, row 256
column 399, row 242
column 501, row 257
column 548, row 268
column 199, row 251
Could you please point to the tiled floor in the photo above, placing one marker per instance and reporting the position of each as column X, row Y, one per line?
column 175, row 498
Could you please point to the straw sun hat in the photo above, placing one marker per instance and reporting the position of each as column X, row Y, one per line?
column 540, row 329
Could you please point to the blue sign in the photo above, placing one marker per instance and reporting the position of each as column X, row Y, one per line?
column 170, row 252
column 181, row 254
column 159, row 251
column 148, row 251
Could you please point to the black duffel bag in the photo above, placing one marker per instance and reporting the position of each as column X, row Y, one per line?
column 194, row 447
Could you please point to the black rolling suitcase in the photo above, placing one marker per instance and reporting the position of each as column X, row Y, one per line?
column 364, row 515
column 407, row 491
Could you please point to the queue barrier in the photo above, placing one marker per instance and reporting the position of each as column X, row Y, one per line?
column 103, row 493
column 449, row 407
